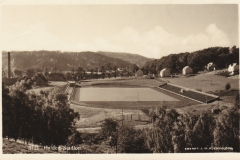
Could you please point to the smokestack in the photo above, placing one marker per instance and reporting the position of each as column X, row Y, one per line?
column 9, row 66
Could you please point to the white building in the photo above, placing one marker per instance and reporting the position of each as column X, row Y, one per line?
column 187, row 70
column 233, row 68
column 165, row 72
column 210, row 66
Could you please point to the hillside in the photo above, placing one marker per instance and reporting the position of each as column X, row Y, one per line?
column 132, row 58
column 68, row 60
column 220, row 56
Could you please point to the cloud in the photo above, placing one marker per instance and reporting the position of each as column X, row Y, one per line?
column 154, row 43
column 158, row 42
column 33, row 38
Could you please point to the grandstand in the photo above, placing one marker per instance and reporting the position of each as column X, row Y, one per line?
column 189, row 93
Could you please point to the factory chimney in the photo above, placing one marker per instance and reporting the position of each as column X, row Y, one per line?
column 9, row 66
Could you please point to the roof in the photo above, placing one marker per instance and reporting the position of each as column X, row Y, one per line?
column 42, row 78
column 186, row 67
column 210, row 63
column 165, row 69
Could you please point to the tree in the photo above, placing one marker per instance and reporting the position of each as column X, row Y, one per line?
column 203, row 131
column 74, row 139
column 30, row 72
column 163, row 123
column 7, row 111
column 227, row 86
column 236, row 102
column 226, row 132
column 108, row 128
column 131, row 140
column 45, row 118
column 18, row 72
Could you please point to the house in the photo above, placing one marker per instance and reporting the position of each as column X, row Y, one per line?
column 233, row 69
column 210, row 66
column 165, row 72
column 187, row 70
column 139, row 73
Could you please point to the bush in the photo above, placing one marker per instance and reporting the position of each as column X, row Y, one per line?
column 227, row 86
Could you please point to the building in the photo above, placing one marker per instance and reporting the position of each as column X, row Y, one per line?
column 187, row 70
column 233, row 69
column 71, row 83
column 165, row 72
column 56, row 77
column 210, row 66
column 139, row 73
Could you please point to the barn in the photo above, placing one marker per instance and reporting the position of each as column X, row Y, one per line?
column 139, row 73
column 187, row 70
column 165, row 72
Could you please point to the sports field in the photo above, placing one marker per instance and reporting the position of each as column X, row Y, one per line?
column 121, row 95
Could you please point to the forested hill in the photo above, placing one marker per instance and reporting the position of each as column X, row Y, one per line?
column 220, row 56
column 132, row 58
column 66, row 60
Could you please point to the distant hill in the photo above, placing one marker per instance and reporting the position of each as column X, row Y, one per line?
column 132, row 58
column 68, row 60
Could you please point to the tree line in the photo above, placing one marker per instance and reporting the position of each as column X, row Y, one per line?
column 43, row 118
column 175, row 133
column 220, row 56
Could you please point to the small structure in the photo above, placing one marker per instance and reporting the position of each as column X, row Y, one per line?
column 187, row 70
column 56, row 77
column 233, row 69
column 71, row 83
column 139, row 73
column 210, row 66
column 165, row 72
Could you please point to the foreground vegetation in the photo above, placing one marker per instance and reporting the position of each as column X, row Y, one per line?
column 43, row 118
column 46, row 119
column 172, row 132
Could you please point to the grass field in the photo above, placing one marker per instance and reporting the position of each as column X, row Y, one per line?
column 121, row 94
column 207, row 82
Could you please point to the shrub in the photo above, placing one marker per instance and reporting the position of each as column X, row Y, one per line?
column 227, row 86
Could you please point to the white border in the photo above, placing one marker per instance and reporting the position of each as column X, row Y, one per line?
column 195, row 156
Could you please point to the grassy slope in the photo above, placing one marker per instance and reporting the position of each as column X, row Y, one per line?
column 206, row 82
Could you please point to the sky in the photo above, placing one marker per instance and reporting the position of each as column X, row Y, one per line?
column 151, row 30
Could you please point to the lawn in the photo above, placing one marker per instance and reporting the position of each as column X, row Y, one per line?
column 121, row 94
column 207, row 82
